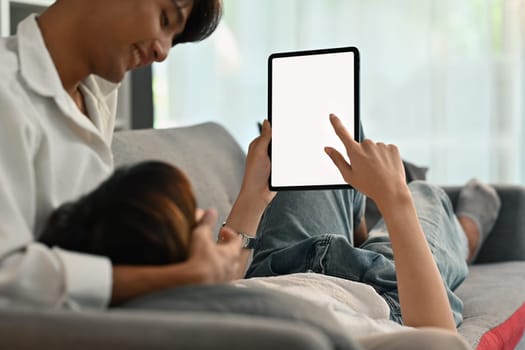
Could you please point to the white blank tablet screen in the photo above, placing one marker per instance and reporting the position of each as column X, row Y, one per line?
column 304, row 91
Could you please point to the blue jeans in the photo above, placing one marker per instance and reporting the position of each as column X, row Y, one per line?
column 312, row 231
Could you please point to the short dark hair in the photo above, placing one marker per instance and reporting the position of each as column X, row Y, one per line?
column 141, row 215
column 202, row 21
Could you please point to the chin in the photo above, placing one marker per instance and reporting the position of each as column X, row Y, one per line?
column 113, row 74
column 114, row 78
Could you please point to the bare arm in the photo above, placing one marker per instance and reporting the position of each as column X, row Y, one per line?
column 208, row 263
column 254, row 195
column 244, row 217
column 377, row 171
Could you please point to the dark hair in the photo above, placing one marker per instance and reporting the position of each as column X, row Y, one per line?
column 202, row 21
column 141, row 215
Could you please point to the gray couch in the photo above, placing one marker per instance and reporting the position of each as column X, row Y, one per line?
column 219, row 318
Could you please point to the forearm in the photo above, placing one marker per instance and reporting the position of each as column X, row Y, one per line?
column 133, row 281
column 254, row 195
column 422, row 294
column 244, row 217
column 377, row 171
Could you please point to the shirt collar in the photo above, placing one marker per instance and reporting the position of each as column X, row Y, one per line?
column 36, row 66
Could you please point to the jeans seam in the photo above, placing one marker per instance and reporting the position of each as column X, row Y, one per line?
column 326, row 241
column 311, row 258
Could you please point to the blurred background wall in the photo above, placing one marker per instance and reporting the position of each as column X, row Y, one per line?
column 442, row 79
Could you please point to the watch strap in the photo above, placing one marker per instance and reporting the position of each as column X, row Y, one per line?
column 248, row 241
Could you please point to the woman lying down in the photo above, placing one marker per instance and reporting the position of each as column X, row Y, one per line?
column 402, row 275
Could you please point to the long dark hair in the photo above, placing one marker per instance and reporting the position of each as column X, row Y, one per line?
column 141, row 215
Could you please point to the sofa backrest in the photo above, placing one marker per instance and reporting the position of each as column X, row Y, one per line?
column 207, row 153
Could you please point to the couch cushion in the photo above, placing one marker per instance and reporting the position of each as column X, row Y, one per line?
column 227, row 299
column 207, row 153
column 494, row 295
column 29, row 329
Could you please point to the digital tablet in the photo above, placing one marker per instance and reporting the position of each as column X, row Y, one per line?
column 304, row 88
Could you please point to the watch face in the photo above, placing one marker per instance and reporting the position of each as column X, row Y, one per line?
column 248, row 242
column 245, row 241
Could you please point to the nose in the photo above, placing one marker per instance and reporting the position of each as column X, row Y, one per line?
column 160, row 49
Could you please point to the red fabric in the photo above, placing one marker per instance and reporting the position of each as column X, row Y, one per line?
column 507, row 335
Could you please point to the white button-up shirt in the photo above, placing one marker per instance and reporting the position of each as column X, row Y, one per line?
column 50, row 153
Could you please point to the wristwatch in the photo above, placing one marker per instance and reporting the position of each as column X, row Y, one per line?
column 248, row 241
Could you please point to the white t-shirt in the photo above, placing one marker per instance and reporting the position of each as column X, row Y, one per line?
column 49, row 153
column 357, row 306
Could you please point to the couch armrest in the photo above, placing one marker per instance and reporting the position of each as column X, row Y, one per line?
column 506, row 242
column 55, row 329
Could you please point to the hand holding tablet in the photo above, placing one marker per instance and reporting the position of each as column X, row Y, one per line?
column 304, row 88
